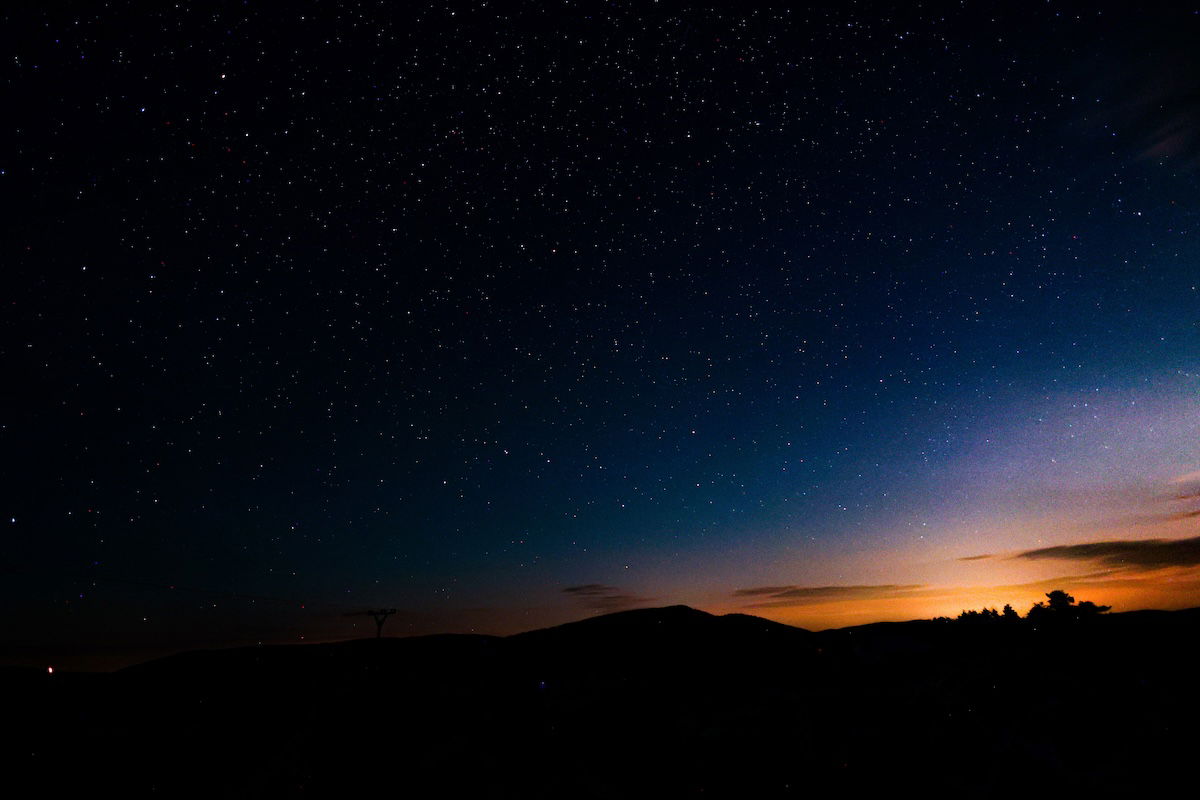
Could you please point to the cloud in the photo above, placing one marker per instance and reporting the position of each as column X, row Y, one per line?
column 782, row 596
column 763, row 590
column 1183, row 489
column 1156, row 518
column 601, row 596
column 1127, row 554
column 1187, row 477
column 979, row 557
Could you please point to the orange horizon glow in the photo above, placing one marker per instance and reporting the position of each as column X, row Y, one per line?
column 1130, row 546
column 949, row 601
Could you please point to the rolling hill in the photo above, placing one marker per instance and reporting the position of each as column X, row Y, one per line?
column 665, row 702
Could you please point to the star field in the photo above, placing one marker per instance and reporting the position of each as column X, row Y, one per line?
column 456, row 307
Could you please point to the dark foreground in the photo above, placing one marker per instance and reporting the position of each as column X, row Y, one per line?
column 657, row 703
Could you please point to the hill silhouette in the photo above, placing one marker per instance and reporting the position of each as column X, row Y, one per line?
column 653, row 640
column 663, row 702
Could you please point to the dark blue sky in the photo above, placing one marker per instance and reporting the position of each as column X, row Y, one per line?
column 455, row 308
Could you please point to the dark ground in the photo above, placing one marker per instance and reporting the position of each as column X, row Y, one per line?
column 666, row 702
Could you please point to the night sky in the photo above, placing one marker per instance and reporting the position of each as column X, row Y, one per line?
column 505, row 314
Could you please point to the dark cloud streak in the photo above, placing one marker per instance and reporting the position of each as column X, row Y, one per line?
column 1144, row 554
column 603, row 597
column 781, row 596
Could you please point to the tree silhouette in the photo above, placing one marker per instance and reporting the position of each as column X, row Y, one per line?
column 1061, row 609
column 984, row 615
column 1088, row 609
column 1058, row 608
column 1059, row 600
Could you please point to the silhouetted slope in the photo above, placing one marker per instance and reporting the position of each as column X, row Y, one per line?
column 275, row 662
column 669, row 702
column 677, row 639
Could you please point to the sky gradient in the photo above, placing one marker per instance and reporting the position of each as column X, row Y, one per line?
column 506, row 314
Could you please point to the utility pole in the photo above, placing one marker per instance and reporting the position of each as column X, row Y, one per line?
column 380, row 616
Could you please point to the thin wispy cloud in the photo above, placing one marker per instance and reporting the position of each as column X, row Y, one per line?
column 1173, row 502
column 784, row 596
column 1166, row 503
column 1153, row 518
column 1186, row 478
column 603, row 597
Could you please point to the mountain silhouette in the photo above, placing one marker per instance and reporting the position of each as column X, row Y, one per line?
column 658, row 702
column 675, row 638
